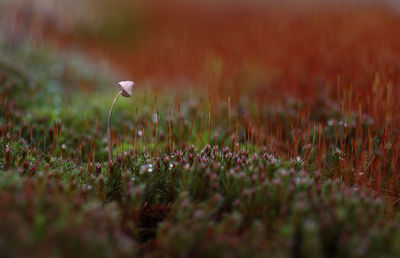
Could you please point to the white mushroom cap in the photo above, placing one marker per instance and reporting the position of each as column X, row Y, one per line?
column 126, row 87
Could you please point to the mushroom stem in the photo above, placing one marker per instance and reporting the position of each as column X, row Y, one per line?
column 109, row 139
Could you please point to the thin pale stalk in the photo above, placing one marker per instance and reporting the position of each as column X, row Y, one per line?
column 109, row 140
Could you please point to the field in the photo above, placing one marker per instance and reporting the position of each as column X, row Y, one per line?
column 254, row 129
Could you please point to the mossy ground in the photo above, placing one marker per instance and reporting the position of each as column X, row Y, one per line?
column 239, row 170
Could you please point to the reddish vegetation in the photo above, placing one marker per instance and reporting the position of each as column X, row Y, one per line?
column 293, row 49
column 269, row 52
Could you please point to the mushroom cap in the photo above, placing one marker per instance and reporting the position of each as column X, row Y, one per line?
column 126, row 87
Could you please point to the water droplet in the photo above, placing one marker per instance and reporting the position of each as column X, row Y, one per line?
column 148, row 168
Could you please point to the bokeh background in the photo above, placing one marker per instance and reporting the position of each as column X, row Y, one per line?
column 267, row 47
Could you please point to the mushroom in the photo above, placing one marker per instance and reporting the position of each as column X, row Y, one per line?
column 126, row 91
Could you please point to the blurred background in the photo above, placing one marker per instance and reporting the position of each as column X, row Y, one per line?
column 258, row 48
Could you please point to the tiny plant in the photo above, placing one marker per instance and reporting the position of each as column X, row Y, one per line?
column 126, row 91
